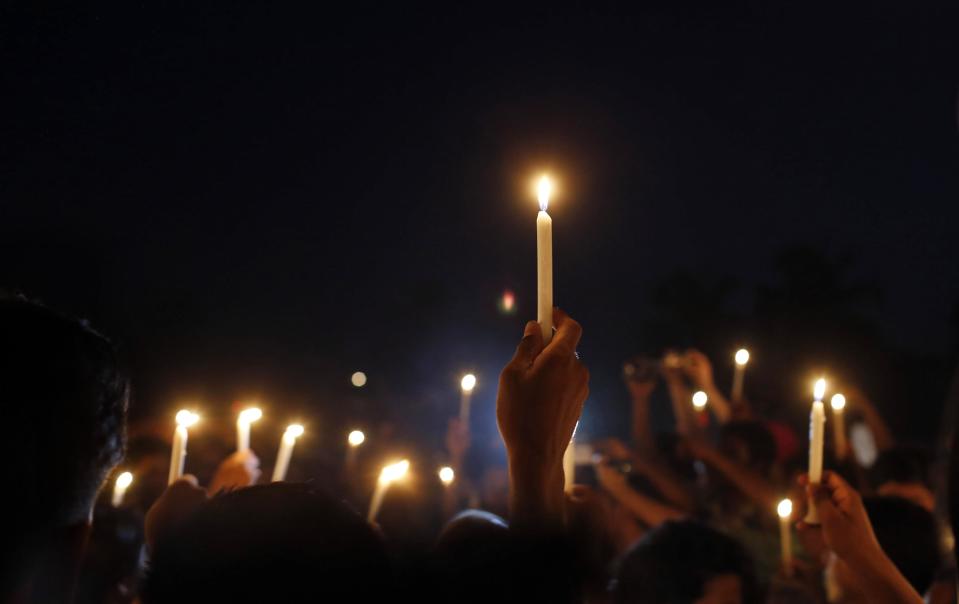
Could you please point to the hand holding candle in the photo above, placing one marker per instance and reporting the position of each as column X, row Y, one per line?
column 184, row 419
column 817, row 428
column 388, row 475
column 544, row 261
column 283, row 456
column 243, row 421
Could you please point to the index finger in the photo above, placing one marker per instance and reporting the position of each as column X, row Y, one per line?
column 567, row 335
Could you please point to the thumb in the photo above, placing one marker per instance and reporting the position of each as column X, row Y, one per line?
column 824, row 503
column 530, row 346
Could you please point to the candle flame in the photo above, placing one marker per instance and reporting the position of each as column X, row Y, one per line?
column 248, row 416
column 447, row 475
column 785, row 508
column 394, row 472
column 742, row 356
column 543, row 190
column 186, row 418
column 700, row 399
column 356, row 438
column 468, row 382
column 838, row 402
column 819, row 390
column 124, row 480
column 293, row 431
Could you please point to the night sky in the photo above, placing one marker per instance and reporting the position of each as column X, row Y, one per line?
column 257, row 201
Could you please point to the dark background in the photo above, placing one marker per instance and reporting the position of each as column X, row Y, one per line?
column 257, row 201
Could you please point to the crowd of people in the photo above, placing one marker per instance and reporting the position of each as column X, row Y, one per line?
column 687, row 515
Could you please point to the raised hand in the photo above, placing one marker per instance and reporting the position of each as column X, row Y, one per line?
column 241, row 469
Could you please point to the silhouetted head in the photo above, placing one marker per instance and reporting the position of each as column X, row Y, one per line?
column 270, row 543
column 471, row 556
column 685, row 563
column 749, row 443
column 904, row 471
column 908, row 535
column 63, row 399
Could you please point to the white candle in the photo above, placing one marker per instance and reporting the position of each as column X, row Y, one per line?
column 785, row 511
column 466, row 387
column 838, row 404
column 742, row 357
column 388, row 475
column 120, row 488
column 243, row 421
column 293, row 431
column 544, row 262
column 184, row 419
column 817, row 428
column 569, row 462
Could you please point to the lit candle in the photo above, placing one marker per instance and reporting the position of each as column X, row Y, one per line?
column 354, row 439
column 293, row 431
column 700, row 400
column 243, row 421
column 466, row 388
column 742, row 357
column 388, row 475
column 785, row 511
column 544, row 261
column 447, row 475
column 120, row 488
column 817, row 428
column 838, row 404
column 184, row 419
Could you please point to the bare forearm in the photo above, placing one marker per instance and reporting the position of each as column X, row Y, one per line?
column 748, row 482
column 882, row 581
column 536, row 496
column 645, row 508
column 719, row 404
column 666, row 483
column 642, row 431
column 682, row 408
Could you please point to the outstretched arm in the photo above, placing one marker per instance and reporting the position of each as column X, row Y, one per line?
column 647, row 509
column 749, row 483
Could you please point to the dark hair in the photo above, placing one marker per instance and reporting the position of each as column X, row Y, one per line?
column 64, row 397
column 759, row 441
column 908, row 535
column 901, row 463
column 269, row 543
column 673, row 562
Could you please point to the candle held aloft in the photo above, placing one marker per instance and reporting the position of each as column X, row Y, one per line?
column 838, row 404
column 817, row 429
column 388, row 475
column 741, row 358
column 184, row 419
column 466, row 393
column 785, row 512
column 120, row 487
column 243, row 421
column 544, row 261
column 283, row 456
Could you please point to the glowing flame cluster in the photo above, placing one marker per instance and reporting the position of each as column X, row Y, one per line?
column 186, row 418
column 394, row 472
column 819, row 390
column 543, row 190
column 124, row 480
column 248, row 416
column 742, row 356
column 785, row 508
column 356, row 438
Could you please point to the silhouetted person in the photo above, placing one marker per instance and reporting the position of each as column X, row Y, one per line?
column 685, row 563
column 282, row 542
column 64, row 402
